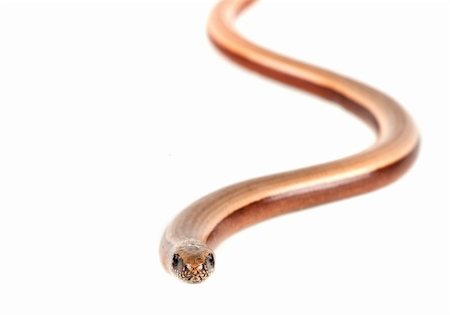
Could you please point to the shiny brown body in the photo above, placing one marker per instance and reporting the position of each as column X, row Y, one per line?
column 219, row 214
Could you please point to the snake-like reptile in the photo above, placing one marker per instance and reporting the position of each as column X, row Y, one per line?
column 186, row 246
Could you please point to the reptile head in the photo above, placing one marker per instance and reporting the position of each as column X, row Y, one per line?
column 193, row 263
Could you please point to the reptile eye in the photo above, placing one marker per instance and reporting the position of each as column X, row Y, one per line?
column 210, row 262
column 175, row 261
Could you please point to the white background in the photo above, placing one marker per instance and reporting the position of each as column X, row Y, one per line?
column 116, row 115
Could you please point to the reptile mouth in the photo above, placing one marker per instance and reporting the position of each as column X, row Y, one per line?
column 192, row 276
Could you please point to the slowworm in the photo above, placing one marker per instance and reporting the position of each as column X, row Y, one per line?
column 187, row 245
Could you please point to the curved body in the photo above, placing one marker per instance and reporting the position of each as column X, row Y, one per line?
column 202, row 225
